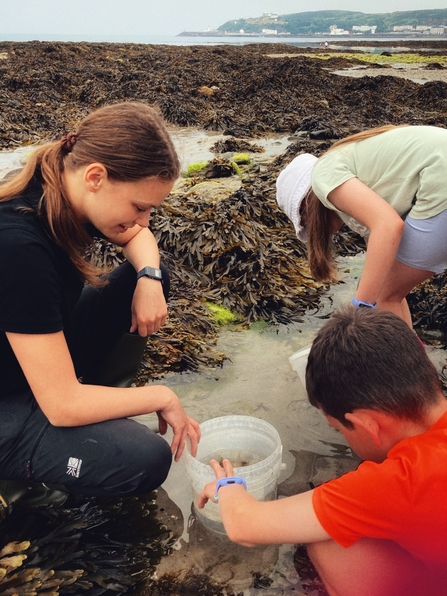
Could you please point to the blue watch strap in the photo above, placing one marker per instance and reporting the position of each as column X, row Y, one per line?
column 362, row 304
column 229, row 482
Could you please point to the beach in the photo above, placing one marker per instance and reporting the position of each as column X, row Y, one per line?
column 246, row 99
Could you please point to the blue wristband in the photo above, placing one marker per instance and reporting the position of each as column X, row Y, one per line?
column 362, row 304
column 229, row 482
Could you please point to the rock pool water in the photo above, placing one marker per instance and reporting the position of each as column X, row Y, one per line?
column 258, row 380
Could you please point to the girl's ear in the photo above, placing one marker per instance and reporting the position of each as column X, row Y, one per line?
column 366, row 421
column 94, row 175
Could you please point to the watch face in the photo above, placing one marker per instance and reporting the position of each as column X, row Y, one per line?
column 150, row 272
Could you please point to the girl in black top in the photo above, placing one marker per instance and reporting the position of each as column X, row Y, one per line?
column 59, row 422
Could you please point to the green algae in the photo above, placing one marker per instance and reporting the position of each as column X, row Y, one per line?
column 195, row 168
column 221, row 315
column 241, row 158
column 403, row 58
column 236, row 168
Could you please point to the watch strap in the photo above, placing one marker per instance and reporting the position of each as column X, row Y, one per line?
column 362, row 304
column 150, row 272
column 231, row 481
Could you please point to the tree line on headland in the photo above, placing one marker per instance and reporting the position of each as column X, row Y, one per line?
column 313, row 22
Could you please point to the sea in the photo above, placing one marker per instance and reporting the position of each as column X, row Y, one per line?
column 204, row 40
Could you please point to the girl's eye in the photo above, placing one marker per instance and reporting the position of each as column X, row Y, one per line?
column 140, row 210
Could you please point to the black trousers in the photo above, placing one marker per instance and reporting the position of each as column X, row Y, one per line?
column 113, row 458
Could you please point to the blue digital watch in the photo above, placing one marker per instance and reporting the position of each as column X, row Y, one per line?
column 363, row 304
column 229, row 482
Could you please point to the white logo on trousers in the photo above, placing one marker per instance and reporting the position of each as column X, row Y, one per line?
column 74, row 466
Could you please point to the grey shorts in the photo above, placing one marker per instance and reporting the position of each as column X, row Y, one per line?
column 424, row 243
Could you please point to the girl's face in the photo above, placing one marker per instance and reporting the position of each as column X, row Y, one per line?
column 113, row 207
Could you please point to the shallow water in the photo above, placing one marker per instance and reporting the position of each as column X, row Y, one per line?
column 258, row 380
column 396, row 70
column 193, row 145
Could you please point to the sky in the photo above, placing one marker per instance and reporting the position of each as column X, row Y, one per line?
column 164, row 17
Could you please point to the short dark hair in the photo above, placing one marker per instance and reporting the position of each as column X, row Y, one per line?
column 370, row 358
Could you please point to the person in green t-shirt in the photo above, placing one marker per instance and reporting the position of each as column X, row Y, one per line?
column 388, row 184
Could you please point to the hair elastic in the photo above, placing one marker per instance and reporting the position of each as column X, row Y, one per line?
column 67, row 141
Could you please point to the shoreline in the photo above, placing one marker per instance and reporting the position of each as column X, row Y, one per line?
column 379, row 38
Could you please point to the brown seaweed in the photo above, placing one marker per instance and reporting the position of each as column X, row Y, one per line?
column 47, row 87
column 91, row 546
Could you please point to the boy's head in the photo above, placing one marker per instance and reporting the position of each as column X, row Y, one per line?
column 366, row 358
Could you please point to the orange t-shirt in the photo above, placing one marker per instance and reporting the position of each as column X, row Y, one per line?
column 403, row 499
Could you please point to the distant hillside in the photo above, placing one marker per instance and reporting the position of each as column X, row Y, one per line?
column 305, row 23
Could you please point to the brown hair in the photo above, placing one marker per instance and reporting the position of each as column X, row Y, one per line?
column 320, row 250
column 370, row 358
column 128, row 138
column 319, row 246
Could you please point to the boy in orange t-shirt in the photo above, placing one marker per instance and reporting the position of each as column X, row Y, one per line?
column 380, row 530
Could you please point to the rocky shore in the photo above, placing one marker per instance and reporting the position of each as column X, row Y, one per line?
column 45, row 88
column 247, row 94
column 238, row 249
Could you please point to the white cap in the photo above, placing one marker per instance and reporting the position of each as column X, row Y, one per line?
column 291, row 188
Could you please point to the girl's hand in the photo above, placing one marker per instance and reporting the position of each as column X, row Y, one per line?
column 182, row 425
column 209, row 491
column 148, row 310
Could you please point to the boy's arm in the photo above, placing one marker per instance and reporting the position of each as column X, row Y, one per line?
column 249, row 522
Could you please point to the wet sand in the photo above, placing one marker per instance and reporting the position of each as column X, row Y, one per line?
column 418, row 73
column 410, row 72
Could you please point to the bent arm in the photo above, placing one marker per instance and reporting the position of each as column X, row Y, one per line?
column 386, row 228
column 149, row 310
column 47, row 365
column 140, row 247
column 250, row 522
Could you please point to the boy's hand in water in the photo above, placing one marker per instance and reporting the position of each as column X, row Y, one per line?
column 209, row 491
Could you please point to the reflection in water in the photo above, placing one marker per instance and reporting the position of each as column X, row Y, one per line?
column 226, row 562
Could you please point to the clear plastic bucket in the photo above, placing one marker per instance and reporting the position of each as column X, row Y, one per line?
column 298, row 362
column 254, row 448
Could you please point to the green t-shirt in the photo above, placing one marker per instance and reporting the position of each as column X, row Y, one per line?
column 405, row 166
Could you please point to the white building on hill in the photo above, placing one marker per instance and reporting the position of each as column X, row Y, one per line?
column 365, row 28
column 336, row 31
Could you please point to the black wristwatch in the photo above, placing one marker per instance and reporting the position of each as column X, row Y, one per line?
column 150, row 272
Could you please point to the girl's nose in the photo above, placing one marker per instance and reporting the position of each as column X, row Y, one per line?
column 143, row 219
